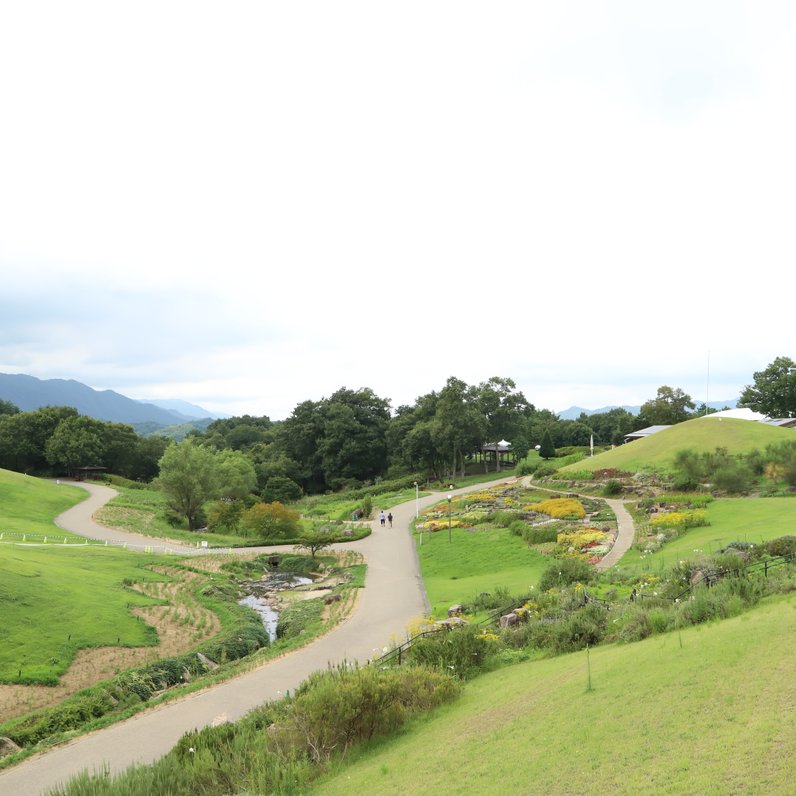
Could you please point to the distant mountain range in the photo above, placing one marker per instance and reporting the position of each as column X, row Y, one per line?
column 181, row 408
column 29, row 393
column 574, row 412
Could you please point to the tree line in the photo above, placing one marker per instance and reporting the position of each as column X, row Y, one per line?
column 354, row 437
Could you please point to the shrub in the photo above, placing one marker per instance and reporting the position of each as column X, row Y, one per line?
column 634, row 625
column 539, row 534
column 518, row 528
column 503, row 519
column 491, row 601
column 561, row 508
column 704, row 605
column 578, row 475
column 367, row 506
column 270, row 521
column 224, row 515
column 612, row 487
column 529, row 465
column 680, row 520
column 661, row 620
column 748, row 590
column 782, row 546
column 733, row 477
column 581, row 629
column 335, row 709
column 462, row 652
column 281, row 488
column 298, row 616
column 565, row 571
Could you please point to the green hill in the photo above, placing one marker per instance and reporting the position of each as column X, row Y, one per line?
column 28, row 505
column 701, row 435
column 706, row 711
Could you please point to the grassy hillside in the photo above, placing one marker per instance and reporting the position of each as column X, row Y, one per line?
column 703, row 434
column 58, row 599
column 29, row 505
column 753, row 520
column 706, row 711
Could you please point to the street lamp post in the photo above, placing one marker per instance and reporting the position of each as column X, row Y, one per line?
column 449, row 517
column 417, row 500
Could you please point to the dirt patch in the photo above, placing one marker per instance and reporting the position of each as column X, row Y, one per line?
column 180, row 625
column 213, row 563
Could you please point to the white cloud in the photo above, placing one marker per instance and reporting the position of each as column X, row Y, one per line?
column 255, row 205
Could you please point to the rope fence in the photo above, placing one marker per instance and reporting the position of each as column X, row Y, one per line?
column 58, row 541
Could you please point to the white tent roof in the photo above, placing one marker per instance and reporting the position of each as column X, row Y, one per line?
column 739, row 414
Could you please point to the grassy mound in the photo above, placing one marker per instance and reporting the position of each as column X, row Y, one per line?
column 29, row 505
column 702, row 435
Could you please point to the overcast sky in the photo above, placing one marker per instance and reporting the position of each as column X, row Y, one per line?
column 247, row 205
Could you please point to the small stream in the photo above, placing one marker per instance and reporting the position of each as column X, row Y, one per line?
column 261, row 589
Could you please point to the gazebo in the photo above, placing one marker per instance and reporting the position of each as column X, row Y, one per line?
column 499, row 453
column 82, row 473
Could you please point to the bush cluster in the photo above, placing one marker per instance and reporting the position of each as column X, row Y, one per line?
column 565, row 571
column 298, row 616
column 539, row 534
column 561, row 508
column 282, row 746
column 334, row 710
column 463, row 652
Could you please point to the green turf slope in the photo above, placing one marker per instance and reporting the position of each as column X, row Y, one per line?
column 703, row 434
column 710, row 711
column 29, row 505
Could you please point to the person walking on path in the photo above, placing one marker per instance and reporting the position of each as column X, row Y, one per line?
column 389, row 519
column 382, row 518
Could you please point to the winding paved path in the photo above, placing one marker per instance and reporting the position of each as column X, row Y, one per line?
column 394, row 595
column 625, row 533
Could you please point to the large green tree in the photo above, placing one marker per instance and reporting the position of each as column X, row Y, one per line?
column 506, row 411
column 669, row 407
column 547, row 450
column 459, row 426
column 189, row 477
column 239, row 433
column 143, row 466
column 338, row 440
column 774, row 390
column 24, row 435
column 7, row 408
column 299, row 437
column 409, row 439
column 353, row 446
column 236, row 475
column 77, row 441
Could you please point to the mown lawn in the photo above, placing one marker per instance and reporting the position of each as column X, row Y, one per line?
column 475, row 561
column 707, row 711
column 753, row 520
column 55, row 600
column 29, row 505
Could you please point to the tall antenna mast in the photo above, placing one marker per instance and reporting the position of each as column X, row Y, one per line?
column 707, row 386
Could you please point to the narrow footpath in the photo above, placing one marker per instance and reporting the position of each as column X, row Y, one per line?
column 393, row 596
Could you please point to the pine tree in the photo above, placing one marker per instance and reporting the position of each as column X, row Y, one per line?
column 547, row 450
